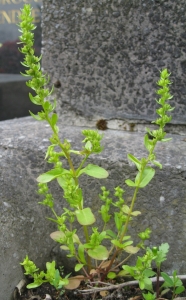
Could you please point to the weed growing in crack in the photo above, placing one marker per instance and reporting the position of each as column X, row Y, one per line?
column 96, row 261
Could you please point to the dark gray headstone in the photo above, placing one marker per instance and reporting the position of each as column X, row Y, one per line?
column 9, row 12
column 9, row 54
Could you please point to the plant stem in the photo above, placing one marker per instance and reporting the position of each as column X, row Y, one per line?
column 158, row 283
column 129, row 214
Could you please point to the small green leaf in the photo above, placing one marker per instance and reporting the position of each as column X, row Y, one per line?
column 35, row 99
column 85, row 216
column 135, row 161
column 179, row 290
column 64, row 248
column 50, row 175
column 57, row 235
column 169, row 282
column 81, row 254
column 111, row 233
column 88, row 146
column 148, row 273
column 38, row 118
column 54, row 119
column 118, row 221
column 100, row 253
column 78, row 267
column 131, row 249
column 147, row 142
column 94, row 171
column 147, row 283
column 111, row 275
column 166, row 140
column 121, row 246
column 33, row 285
column 122, row 273
column 136, row 213
column 130, row 183
column 125, row 209
column 157, row 163
column 162, row 253
column 141, row 284
column 146, row 177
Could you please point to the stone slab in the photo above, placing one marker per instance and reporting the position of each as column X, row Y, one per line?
column 104, row 56
column 24, row 229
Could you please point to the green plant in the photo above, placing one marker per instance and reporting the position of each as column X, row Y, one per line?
column 173, row 283
column 52, row 275
column 143, row 272
column 94, row 258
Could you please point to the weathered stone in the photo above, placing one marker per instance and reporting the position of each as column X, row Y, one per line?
column 24, row 227
column 135, row 38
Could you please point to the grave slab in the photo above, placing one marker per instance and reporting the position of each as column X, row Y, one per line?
column 24, row 227
column 14, row 99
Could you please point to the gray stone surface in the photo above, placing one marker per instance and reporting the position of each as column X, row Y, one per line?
column 24, row 229
column 107, row 55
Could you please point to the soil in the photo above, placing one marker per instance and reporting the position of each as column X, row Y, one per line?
column 46, row 289
column 48, row 292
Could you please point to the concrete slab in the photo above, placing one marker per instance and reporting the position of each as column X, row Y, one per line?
column 24, row 229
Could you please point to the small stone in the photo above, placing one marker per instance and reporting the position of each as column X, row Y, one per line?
column 116, row 14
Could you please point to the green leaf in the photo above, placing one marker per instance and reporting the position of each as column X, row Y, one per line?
column 57, row 235
column 46, row 105
column 122, row 273
column 54, row 119
column 111, row 275
column 88, row 146
column 168, row 281
column 145, row 178
column 157, row 163
column 131, row 249
column 135, row 161
column 147, row 142
column 166, row 140
column 179, row 290
column 35, row 99
column 64, row 248
column 147, row 283
column 141, row 284
column 129, row 270
column 85, row 216
column 94, row 171
column 136, row 213
column 78, row 267
column 38, row 118
column 130, row 183
column 161, row 253
column 149, row 273
column 50, row 175
column 62, row 182
column 81, row 254
column 34, row 285
column 149, row 296
column 111, row 233
column 121, row 246
column 118, row 221
column 100, row 253
column 125, row 209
